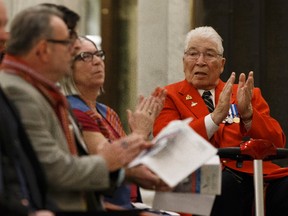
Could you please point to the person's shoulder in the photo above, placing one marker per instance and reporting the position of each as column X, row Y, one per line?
column 257, row 92
column 104, row 109
column 77, row 103
column 14, row 85
column 175, row 85
column 103, row 106
column 10, row 79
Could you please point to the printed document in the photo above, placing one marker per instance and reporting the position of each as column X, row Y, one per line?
column 177, row 152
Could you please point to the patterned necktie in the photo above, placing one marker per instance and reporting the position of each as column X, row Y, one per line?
column 208, row 101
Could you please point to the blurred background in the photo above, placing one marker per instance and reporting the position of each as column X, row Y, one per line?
column 144, row 43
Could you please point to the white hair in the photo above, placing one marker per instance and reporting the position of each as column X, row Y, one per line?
column 206, row 32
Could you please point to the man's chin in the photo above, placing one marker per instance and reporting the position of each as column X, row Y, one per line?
column 199, row 84
column 202, row 85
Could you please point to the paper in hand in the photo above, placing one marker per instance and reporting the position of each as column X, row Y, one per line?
column 177, row 152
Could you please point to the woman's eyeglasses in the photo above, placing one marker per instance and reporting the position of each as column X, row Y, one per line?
column 88, row 56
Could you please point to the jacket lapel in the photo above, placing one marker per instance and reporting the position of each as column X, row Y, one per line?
column 193, row 100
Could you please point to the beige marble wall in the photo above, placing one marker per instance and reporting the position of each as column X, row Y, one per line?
column 82, row 7
column 162, row 26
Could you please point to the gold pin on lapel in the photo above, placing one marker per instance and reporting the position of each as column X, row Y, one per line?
column 188, row 97
column 193, row 104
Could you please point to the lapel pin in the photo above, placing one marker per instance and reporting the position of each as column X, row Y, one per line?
column 194, row 104
column 188, row 97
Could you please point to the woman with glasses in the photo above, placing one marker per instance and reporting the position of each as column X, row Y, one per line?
column 101, row 124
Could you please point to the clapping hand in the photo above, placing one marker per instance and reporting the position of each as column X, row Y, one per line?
column 221, row 110
column 244, row 96
column 142, row 119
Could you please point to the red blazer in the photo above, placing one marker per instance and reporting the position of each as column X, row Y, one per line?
column 179, row 106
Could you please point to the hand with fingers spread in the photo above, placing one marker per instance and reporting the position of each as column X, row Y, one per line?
column 244, row 96
column 142, row 119
column 122, row 151
column 221, row 110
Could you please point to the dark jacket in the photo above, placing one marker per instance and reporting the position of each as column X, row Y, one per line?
column 22, row 181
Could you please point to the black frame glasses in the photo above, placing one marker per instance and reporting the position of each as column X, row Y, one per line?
column 88, row 56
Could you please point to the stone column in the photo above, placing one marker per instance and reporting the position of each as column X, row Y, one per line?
column 162, row 26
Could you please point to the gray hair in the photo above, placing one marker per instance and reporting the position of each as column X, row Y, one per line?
column 206, row 32
column 68, row 86
column 28, row 27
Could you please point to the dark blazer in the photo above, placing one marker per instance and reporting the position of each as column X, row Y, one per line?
column 18, row 161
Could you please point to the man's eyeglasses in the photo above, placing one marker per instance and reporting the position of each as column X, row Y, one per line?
column 88, row 56
column 207, row 55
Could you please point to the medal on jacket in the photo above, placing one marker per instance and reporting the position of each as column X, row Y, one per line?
column 193, row 104
column 188, row 97
column 235, row 114
column 229, row 118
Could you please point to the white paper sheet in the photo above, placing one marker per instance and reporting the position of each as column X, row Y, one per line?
column 199, row 204
column 178, row 151
column 205, row 180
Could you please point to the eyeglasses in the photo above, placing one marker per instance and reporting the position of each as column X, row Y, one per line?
column 88, row 56
column 207, row 55
column 64, row 42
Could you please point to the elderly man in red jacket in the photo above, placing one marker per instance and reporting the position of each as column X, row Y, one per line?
column 225, row 114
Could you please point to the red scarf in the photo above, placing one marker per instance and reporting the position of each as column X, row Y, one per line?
column 48, row 89
column 107, row 129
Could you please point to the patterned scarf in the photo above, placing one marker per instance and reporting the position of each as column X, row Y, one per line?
column 48, row 89
column 109, row 123
column 106, row 118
